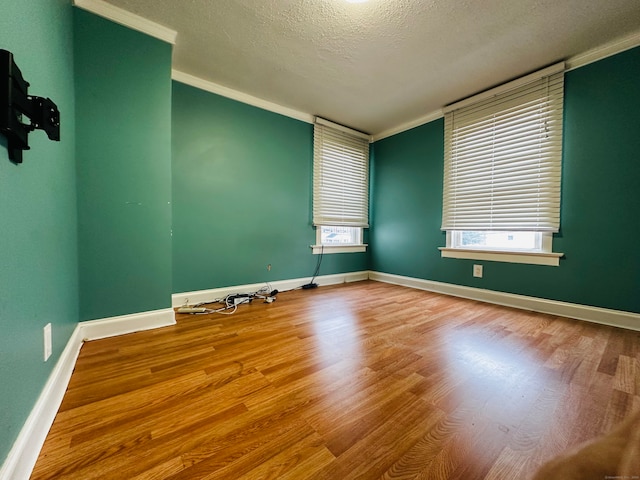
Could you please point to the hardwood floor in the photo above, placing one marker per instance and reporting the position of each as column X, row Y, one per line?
column 364, row 380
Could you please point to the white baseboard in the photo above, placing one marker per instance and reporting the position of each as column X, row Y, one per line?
column 605, row 316
column 135, row 322
column 24, row 453
column 200, row 296
column 22, row 457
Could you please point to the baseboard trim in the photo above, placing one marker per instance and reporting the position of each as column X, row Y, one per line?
column 604, row 316
column 23, row 455
column 120, row 325
column 200, row 296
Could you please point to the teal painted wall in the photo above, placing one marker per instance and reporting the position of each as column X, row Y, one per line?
column 407, row 202
column 87, row 221
column 38, row 242
column 600, row 226
column 123, row 98
column 242, row 195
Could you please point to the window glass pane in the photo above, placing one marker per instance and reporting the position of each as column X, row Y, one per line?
column 498, row 240
column 339, row 235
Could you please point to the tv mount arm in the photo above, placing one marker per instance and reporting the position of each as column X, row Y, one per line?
column 16, row 105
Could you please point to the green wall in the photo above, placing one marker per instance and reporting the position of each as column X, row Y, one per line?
column 242, row 195
column 87, row 222
column 38, row 244
column 600, row 226
column 123, row 98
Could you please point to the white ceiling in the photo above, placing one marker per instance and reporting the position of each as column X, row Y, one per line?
column 378, row 65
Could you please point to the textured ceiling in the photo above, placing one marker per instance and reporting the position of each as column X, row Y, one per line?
column 377, row 65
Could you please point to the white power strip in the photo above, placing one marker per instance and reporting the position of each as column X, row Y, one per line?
column 192, row 310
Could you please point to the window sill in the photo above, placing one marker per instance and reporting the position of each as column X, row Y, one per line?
column 318, row 249
column 533, row 258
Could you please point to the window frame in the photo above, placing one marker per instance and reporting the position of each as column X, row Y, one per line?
column 460, row 197
column 319, row 247
column 545, row 256
column 540, row 244
column 334, row 141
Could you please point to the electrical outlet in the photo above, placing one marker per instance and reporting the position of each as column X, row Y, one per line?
column 47, row 341
column 477, row 271
column 269, row 268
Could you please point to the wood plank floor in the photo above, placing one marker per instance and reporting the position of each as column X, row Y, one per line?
column 364, row 380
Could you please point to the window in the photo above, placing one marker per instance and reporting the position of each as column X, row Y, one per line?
column 502, row 173
column 340, row 187
column 488, row 240
column 338, row 235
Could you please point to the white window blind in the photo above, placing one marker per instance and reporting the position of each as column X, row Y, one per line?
column 503, row 157
column 340, row 176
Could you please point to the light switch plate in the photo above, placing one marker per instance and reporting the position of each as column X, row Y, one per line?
column 47, row 341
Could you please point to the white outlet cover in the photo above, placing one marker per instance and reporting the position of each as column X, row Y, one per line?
column 477, row 271
column 47, row 341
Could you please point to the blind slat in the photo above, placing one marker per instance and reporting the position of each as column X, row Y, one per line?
column 340, row 178
column 503, row 160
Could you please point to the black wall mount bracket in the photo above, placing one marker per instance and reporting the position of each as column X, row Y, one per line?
column 21, row 113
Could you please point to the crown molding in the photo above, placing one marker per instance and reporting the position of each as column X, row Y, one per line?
column 429, row 117
column 128, row 19
column 599, row 53
column 208, row 86
column 607, row 50
column 138, row 23
column 506, row 87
